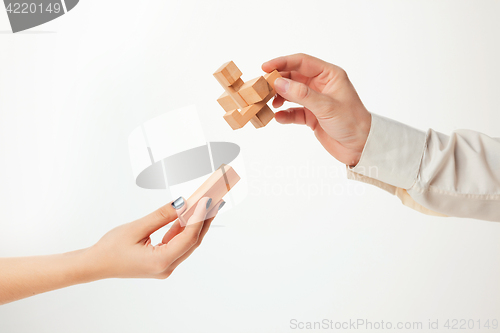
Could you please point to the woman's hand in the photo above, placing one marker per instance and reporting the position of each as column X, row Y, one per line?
column 331, row 106
column 126, row 251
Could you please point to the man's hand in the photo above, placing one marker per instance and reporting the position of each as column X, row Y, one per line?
column 331, row 106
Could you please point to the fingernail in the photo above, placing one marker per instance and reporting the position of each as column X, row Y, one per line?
column 222, row 205
column 178, row 203
column 281, row 85
column 209, row 202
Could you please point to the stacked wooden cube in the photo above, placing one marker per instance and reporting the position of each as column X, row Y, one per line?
column 216, row 187
column 245, row 101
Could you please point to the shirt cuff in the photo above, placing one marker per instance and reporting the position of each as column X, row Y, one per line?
column 392, row 153
column 402, row 194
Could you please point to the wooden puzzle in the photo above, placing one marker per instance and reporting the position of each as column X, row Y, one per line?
column 216, row 187
column 245, row 101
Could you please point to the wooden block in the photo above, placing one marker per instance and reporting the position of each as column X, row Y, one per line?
column 237, row 84
column 251, row 111
column 237, row 119
column 234, row 119
column 227, row 74
column 263, row 117
column 251, row 97
column 216, row 187
column 255, row 90
column 235, row 96
column 256, row 122
column 268, row 97
column 227, row 102
column 270, row 78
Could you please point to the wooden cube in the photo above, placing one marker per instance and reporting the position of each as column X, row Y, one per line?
column 268, row 97
column 250, row 97
column 216, row 187
column 270, row 78
column 251, row 111
column 236, row 97
column 237, row 119
column 263, row 117
column 227, row 74
column 237, row 84
column 234, row 119
column 259, row 114
column 255, row 90
column 227, row 102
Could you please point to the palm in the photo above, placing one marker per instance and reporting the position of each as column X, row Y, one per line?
column 332, row 129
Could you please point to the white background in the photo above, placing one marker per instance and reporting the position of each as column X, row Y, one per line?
column 306, row 244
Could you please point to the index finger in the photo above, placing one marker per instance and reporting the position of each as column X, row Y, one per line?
column 303, row 63
column 186, row 239
column 206, row 225
column 155, row 220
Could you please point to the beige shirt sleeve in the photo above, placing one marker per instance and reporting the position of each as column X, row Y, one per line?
column 436, row 174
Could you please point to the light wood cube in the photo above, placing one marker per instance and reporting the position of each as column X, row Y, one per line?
column 227, row 74
column 255, row 90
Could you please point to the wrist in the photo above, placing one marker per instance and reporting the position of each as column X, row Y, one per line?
column 363, row 126
column 90, row 267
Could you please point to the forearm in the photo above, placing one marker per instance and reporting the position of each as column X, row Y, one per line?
column 460, row 175
column 27, row 276
column 125, row 251
column 457, row 175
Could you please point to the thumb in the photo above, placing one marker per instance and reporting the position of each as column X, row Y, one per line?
column 319, row 104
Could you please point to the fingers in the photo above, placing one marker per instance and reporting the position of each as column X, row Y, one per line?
column 180, row 206
column 304, row 64
column 278, row 101
column 319, row 104
column 296, row 76
column 300, row 116
column 177, row 228
column 183, row 241
column 210, row 217
column 174, row 230
column 203, row 232
column 200, row 212
column 155, row 220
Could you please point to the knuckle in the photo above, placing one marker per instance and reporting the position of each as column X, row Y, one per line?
column 342, row 74
column 303, row 58
column 164, row 213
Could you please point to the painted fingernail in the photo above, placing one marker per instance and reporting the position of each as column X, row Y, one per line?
column 222, row 205
column 209, row 202
column 178, row 203
column 281, row 85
